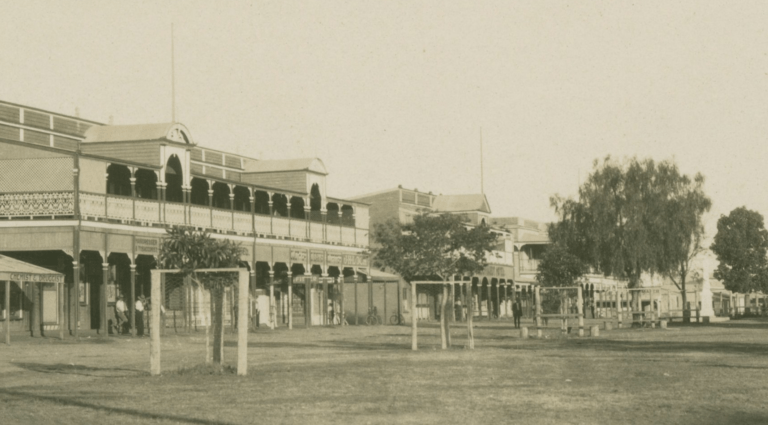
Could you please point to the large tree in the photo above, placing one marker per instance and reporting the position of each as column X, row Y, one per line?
column 189, row 251
column 433, row 247
column 558, row 268
column 634, row 217
column 741, row 245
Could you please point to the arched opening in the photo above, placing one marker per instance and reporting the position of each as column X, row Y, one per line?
column 297, row 207
column 316, row 270
column 118, row 180
column 242, row 198
column 333, row 213
column 261, row 201
column 279, row 205
column 146, row 184
column 347, row 216
column 315, row 203
column 199, row 193
column 174, row 179
column 220, row 195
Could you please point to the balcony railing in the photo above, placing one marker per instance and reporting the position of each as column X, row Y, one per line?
column 131, row 210
column 529, row 265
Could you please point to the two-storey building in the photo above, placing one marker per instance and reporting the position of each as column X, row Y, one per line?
column 93, row 202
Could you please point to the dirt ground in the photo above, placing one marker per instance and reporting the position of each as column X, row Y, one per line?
column 697, row 374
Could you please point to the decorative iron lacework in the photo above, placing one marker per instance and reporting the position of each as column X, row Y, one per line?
column 37, row 204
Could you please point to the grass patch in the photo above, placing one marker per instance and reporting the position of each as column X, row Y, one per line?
column 204, row 370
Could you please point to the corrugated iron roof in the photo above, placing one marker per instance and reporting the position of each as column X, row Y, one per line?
column 137, row 132
column 9, row 266
column 458, row 203
column 276, row 165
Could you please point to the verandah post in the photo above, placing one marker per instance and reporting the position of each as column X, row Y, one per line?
column 7, row 312
column 154, row 340
column 579, row 300
column 414, row 316
column 242, row 320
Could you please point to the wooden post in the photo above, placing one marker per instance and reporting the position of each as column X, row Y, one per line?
column 443, row 337
column 470, row 302
column 619, row 313
column 35, row 314
column 242, row 323
column 537, row 307
column 324, row 308
column 154, row 341
column 132, row 302
column 307, row 300
column 60, row 288
column 272, row 312
column 498, row 301
column 414, row 315
column 7, row 312
column 580, row 309
column 452, row 305
column 103, row 328
column 357, row 316
column 340, row 281
column 290, row 302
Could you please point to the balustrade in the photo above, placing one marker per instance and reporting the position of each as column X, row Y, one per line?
column 175, row 213
column 93, row 205
column 316, row 232
column 147, row 211
column 299, row 229
column 333, row 233
column 263, row 224
column 151, row 211
column 280, row 226
column 200, row 216
column 121, row 208
column 242, row 222
column 37, row 204
column 222, row 220
column 347, row 235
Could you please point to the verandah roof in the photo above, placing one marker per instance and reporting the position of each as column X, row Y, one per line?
column 15, row 270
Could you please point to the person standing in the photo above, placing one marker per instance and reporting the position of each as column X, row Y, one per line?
column 120, row 318
column 517, row 311
column 139, row 307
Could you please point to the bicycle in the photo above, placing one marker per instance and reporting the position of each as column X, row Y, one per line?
column 396, row 319
column 373, row 317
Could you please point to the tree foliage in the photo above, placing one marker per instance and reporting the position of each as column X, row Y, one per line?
column 432, row 246
column 741, row 245
column 633, row 217
column 190, row 251
column 558, row 268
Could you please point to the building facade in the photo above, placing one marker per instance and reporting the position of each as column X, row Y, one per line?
column 93, row 202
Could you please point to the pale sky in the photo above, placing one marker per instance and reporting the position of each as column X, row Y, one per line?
column 396, row 92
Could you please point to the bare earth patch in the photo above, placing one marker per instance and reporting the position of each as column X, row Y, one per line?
column 703, row 374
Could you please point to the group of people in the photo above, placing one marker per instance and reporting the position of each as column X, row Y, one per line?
column 121, row 315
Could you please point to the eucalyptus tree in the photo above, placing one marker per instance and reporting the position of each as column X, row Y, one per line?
column 634, row 217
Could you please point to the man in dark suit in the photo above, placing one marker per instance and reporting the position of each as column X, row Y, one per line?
column 517, row 311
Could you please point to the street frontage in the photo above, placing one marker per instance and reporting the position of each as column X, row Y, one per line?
column 713, row 373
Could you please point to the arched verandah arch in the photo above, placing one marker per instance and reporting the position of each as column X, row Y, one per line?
column 242, row 198
column 220, row 195
column 118, row 180
column 297, row 207
column 261, row 200
column 333, row 213
column 279, row 205
column 146, row 184
column 347, row 215
column 199, row 193
column 174, row 179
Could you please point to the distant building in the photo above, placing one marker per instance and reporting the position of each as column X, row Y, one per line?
column 512, row 264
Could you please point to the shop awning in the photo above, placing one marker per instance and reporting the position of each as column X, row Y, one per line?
column 380, row 276
column 19, row 271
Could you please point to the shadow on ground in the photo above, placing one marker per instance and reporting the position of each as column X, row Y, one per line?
column 7, row 394
column 73, row 369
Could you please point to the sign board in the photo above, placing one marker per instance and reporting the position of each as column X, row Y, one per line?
column 334, row 260
column 32, row 277
column 317, row 257
column 313, row 279
column 352, row 260
column 299, row 256
column 146, row 246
